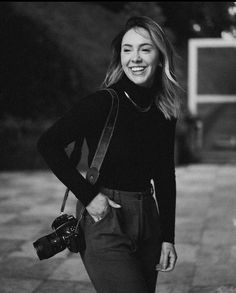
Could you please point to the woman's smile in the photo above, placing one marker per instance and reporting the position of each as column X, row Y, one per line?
column 137, row 70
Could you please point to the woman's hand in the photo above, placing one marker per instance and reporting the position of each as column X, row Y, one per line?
column 168, row 257
column 97, row 208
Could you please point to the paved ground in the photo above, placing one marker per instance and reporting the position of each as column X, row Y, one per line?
column 205, row 234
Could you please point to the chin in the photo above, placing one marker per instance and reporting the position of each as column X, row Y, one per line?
column 138, row 81
column 142, row 83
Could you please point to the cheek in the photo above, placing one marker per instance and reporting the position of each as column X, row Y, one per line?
column 154, row 63
column 155, row 59
column 123, row 61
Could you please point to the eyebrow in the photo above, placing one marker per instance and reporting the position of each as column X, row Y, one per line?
column 144, row 44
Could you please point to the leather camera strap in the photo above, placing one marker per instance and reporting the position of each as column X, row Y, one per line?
column 93, row 172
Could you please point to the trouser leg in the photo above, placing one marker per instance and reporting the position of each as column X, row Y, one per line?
column 123, row 248
column 115, row 272
column 149, row 257
column 149, row 248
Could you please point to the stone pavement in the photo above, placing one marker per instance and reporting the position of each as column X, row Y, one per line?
column 205, row 234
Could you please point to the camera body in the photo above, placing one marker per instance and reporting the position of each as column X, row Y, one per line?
column 64, row 236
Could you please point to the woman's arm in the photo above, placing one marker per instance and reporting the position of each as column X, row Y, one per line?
column 90, row 111
column 164, row 179
column 165, row 190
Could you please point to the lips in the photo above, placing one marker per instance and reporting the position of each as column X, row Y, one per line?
column 137, row 68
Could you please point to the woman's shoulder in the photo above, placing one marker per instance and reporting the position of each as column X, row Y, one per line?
column 98, row 98
column 94, row 103
column 165, row 120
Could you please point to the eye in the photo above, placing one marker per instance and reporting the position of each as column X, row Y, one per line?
column 126, row 50
column 146, row 50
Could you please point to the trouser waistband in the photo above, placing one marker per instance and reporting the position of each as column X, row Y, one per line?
column 135, row 194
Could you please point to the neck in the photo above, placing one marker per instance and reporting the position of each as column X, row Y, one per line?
column 141, row 95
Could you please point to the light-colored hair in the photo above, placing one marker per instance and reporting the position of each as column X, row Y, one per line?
column 167, row 99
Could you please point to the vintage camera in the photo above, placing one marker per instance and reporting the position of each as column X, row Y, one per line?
column 65, row 236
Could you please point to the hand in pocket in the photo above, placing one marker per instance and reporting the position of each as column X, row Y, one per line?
column 98, row 207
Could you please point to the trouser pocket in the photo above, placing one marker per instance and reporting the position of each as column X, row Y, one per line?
column 105, row 234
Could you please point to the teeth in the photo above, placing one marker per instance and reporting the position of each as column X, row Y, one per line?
column 137, row 68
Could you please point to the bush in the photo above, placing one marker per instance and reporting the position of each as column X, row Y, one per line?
column 18, row 150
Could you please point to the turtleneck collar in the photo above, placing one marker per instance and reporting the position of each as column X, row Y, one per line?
column 139, row 94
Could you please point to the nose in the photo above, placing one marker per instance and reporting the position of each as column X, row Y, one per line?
column 136, row 57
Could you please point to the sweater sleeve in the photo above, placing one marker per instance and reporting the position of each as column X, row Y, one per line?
column 164, row 179
column 72, row 126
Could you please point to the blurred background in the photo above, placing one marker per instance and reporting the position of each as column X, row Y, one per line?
column 54, row 53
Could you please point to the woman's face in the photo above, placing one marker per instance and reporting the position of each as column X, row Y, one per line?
column 139, row 56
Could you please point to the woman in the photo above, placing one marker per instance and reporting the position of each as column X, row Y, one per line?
column 128, row 239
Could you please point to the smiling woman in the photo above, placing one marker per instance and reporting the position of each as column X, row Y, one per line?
column 128, row 239
column 145, row 41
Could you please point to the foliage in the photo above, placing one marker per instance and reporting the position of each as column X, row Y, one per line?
column 212, row 18
column 36, row 79
column 150, row 9
column 18, row 148
column 53, row 53
column 82, row 32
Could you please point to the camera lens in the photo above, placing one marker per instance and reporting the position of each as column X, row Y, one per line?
column 49, row 245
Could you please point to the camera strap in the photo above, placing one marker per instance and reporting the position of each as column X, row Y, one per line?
column 93, row 172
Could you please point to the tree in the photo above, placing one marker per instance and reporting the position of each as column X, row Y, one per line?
column 36, row 79
column 150, row 9
column 197, row 19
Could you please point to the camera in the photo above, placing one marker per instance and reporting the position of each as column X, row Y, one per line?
column 65, row 236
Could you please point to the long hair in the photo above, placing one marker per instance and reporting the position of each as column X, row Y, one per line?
column 167, row 99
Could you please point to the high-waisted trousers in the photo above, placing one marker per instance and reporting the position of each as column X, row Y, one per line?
column 123, row 248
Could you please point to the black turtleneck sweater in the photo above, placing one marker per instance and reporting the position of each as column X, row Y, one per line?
column 141, row 149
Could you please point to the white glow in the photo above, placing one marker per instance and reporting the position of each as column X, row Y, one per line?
column 227, row 35
column 232, row 10
column 196, row 27
column 234, row 222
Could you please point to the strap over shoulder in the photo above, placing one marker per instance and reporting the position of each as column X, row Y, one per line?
column 93, row 172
